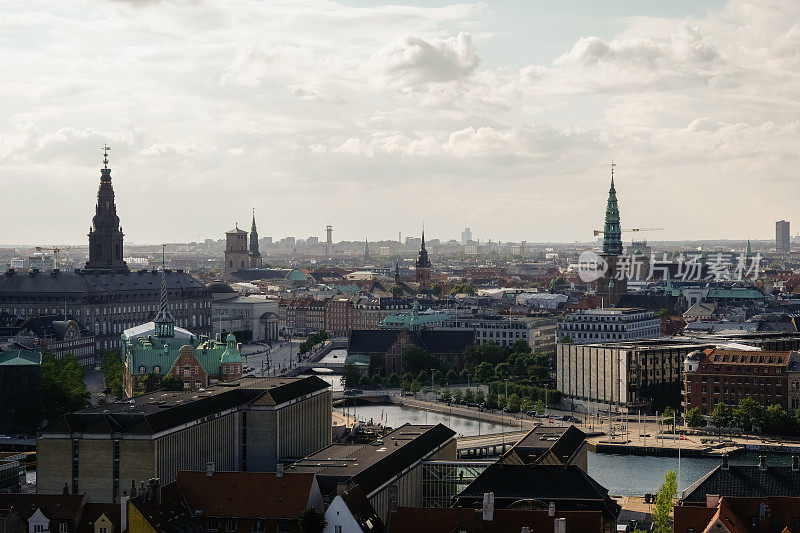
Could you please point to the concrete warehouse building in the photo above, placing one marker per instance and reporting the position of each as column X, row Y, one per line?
column 253, row 426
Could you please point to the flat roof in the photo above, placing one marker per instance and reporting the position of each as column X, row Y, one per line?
column 389, row 455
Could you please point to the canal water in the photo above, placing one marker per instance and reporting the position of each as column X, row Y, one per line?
column 632, row 475
column 397, row 415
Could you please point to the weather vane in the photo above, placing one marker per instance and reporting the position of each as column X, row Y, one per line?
column 612, row 168
column 106, row 148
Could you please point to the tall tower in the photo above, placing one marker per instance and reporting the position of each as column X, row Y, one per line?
column 164, row 321
column 423, row 266
column 328, row 239
column 236, row 254
column 105, row 235
column 367, row 258
column 255, row 255
column 609, row 288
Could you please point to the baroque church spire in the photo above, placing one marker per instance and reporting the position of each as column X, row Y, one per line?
column 612, row 233
column 105, row 234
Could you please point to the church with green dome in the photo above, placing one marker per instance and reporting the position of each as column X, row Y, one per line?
column 153, row 350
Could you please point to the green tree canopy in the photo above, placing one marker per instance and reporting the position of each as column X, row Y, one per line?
column 63, row 389
column 695, row 419
column 777, row 421
column 312, row 521
column 747, row 414
column 721, row 416
column 112, row 368
column 665, row 500
column 484, row 372
column 514, row 402
column 416, row 359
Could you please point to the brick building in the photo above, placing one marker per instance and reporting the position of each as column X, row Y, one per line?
column 715, row 376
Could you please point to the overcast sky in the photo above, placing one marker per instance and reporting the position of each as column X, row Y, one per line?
column 502, row 116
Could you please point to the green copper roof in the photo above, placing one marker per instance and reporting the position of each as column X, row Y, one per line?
column 20, row 358
column 612, row 233
column 735, row 293
column 297, row 275
column 231, row 353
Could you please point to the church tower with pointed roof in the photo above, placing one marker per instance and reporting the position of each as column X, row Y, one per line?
column 105, row 235
column 255, row 255
column 609, row 287
column 423, row 267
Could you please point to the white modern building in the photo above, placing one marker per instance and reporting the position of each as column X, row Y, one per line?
column 609, row 325
column 539, row 333
column 234, row 313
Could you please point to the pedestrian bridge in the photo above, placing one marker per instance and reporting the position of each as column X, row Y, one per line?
column 487, row 445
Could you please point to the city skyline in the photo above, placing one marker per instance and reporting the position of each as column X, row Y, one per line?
column 482, row 121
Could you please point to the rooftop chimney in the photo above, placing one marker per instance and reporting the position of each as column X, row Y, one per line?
column 795, row 463
column 210, row 468
column 762, row 462
column 551, row 509
column 279, row 470
column 725, row 461
column 712, row 501
column 488, row 506
column 560, row 525
column 123, row 513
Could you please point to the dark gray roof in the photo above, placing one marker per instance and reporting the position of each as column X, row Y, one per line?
column 218, row 287
column 569, row 443
column 162, row 410
column 746, row 482
column 362, row 511
column 372, row 340
column 86, row 283
column 547, row 483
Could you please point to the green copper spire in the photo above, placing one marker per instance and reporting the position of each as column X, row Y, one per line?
column 612, row 236
column 748, row 252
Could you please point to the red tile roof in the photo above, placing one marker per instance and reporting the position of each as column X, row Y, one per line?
column 447, row 520
column 247, row 494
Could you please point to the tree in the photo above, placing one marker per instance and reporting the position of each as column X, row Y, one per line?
column 112, row 368
column 668, row 417
column 525, row 405
column 446, row 395
column 351, row 375
column 436, row 288
column 484, row 372
column 521, row 346
column 393, row 380
column 423, row 377
column 502, row 401
column 416, row 359
column 396, row 290
column 747, row 414
column 721, row 416
column 665, row 500
column 63, row 389
column 694, row 418
column 503, row 370
column 539, row 407
column 480, row 398
column 514, row 402
column 457, row 396
column 491, row 400
column 312, row 520
column 415, row 386
column 469, row 396
column 662, row 313
column 170, row 382
column 437, row 376
column 451, row 376
column 565, row 339
column 776, row 420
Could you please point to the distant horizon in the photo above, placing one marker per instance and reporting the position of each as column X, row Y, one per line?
column 376, row 116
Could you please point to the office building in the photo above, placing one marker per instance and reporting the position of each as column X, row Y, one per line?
column 254, row 426
column 388, row 470
column 466, row 236
column 250, row 317
column 609, row 325
column 782, row 236
column 715, row 376
column 622, row 376
column 20, row 392
column 539, row 333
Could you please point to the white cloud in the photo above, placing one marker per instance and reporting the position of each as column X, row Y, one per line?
column 418, row 61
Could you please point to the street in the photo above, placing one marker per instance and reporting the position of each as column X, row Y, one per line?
column 270, row 361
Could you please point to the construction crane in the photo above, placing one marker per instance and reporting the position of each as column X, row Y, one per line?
column 600, row 232
column 55, row 251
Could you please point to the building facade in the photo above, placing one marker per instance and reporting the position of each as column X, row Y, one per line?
column 716, row 376
column 782, row 237
column 623, row 376
column 253, row 426
column 539, row 333
column 20, row 392
column 609, row 325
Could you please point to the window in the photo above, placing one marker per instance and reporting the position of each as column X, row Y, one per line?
column 102, row 530
column 230, row 524
column 284, row 525
column 38, row 528
column 257, row 525
column 337, row 529
column 63, row 527
column 212, row 524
